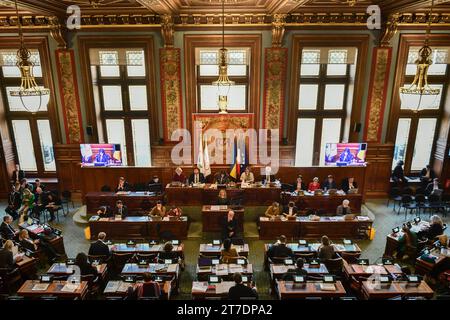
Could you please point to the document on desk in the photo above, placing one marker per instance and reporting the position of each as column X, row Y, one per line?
column 40, row 287
column 233, row 268
column 279, row 269
column 215, row 208
column 70, row 287
column 172, row 268
column 363, row 218
column 224, row 287
column 222, row 270
column 123, row 287
column 112, row 286
column 327, row 287
column 200, row 286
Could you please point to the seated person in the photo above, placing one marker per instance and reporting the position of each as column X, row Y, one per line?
column 280, row 249
column 427, row 175
column 228, row 254
column 99, row 247
column 155, row 185
column 122, row 186
column 222, row 199
column 273, row 210
column 240, row 290
column 268, row 177
column 32, row 245
column 27, row 205
column 102, row 157
column 6, row 230
column 407, row 240
column 349, row 184
column 326, row 249
column 81, row 261
column 7, row 259
column 25, row 185
column 179, row 176
column 38, row 184
column 222, row 178
column 433, row 186
column 435, row 229
column 297, row 271
column 158, row 210
column 229, row 225
column 175, row 212
column 26, row 242
column 329, row 183
column 52, row 204
column 104, row 212
column 398, row 175
column 120, row 209
column 168, row 252
column 148, row 288
column 314, row 185
column 14, row 201
column 247, row 176
column 40, row 201
column 344, row 208
column 290, row 210
column 346, row 156
column 196, row 177
column 298, row 184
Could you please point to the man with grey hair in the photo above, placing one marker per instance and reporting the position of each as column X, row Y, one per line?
column 99, row 247
column 344, row 208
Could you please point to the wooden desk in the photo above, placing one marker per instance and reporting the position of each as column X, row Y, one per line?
column 54, row 289
column 27, row 267
column 145, row 248
column 328, row 203
column 139, row 228
column 227, row 269
column 277, row 271
column 207, row 249
column 359, row 271
column 371, row 291
column 392, row 238
column 119, row 288
column 289, row 290
column 302, row 227
column 424, row 267
column 135, row 201
column 257, row 196
column 62, row 269
column 212, row 218
column 213, row 291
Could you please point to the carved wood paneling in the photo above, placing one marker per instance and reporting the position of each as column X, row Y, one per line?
column 379, row 158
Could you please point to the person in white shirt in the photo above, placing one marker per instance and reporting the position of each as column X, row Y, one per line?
column 247, row 176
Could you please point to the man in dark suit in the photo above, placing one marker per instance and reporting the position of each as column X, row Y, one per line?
column 197, row 177
column 155, row 185
column 14, row 202
column 121, row 209
column 229, row 225
column 280, row 249
column 240, row 290
column 222, row 178
column 349, row 184
column 329, row 183
column 298, row 271
column 99, row 247
column 290, row 210
column 398, row 175
column 122, row 185
column 18, row 174
column 299, row 184
column 6, row 230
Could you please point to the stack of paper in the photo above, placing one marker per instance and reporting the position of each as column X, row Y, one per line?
column 233, row 268
column 123, row 287
column 112, row 286
column 327, row 287
column 200, row 286
column 222, row 269
column 40, row 287
column 70, row 287
column 224, row 287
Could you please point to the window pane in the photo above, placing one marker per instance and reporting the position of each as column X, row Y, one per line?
column 337, row 62
column 15, row 104
column 24, row 144
column 334, row 96
column 213, row 70
column 237, row 70
column 112, row 98
column 331, row 132
column 307, row 99
column 424, row 143
column 305, row 142
column 438, row 67
column 138, row 97
column 136, row 63
column 116, row 134
column 426, row 101
column 401, row 141
column 45, row 138
column 109, row 63
column 236, row 97
column 209, row 70
column 310, row 65
column 141, row 142
column 10, row 69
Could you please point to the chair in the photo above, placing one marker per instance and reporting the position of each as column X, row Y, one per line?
column 350, row 257
column 93, row 284
column 149, row 257
column 420, row 202
column 394, row 195
column 335, row 265
column 435, row 203
column 305, row 255
column 150, row 291
column 408, row 190
column 10, row 279
column 420, row 190
column 277, row 260
column 119, row 260
column 407, row 204
column 100, row 258
column 105, row 188
column 66, row 198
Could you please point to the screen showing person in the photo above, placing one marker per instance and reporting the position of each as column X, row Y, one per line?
column 344, row 154
column 101, row 155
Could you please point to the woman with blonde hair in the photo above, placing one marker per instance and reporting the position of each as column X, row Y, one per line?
column 27, row 205
column 222, row 198
column 7, row 258
column 436, row 227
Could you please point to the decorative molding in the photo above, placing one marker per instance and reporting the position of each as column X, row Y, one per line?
column 390, row 29
column 57, row 32
column 274, row 88
column 68, row 89
column 377, row 94
column 278, row 23
column 171, row 98
column 167, row 30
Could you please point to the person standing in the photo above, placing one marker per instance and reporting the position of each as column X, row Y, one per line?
column 18, row 174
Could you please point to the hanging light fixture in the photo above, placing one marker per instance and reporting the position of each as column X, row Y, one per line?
column 420, row 87
column 32, row 96
column 223, row 83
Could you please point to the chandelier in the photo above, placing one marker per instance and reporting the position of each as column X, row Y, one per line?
column 420, row 87
column 32, row 96
column 223, row 83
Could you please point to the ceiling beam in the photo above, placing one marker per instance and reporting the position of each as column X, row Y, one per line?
column 36, row 6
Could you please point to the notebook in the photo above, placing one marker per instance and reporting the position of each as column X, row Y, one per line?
column 112, row 286
column 70, row 287
column 40, row 287
column 327, row 287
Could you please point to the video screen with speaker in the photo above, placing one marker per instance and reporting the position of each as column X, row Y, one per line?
column 100, row 155
column 345, row 154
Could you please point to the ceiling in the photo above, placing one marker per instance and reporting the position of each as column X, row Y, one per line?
column 104, row 7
